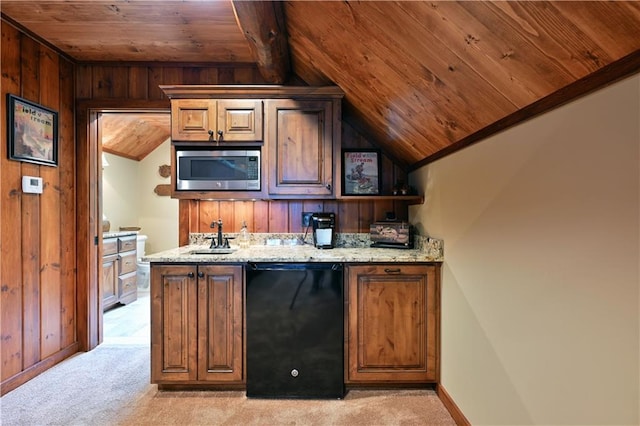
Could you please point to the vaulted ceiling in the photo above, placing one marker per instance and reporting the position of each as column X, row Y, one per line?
column 421, row 78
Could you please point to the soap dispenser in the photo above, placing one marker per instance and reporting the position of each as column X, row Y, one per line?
column 244, row 235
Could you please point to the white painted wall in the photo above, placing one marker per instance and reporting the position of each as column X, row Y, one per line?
column 540, row 298
column 129, row 199
column 120, row 191
column 158, row 215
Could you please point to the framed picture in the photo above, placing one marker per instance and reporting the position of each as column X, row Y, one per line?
column 360, row 171
column 32, row 132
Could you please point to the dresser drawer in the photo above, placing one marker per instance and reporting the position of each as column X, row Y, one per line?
column 127, row 287
column 109, row 246
column 127, row 262
column 127, row 243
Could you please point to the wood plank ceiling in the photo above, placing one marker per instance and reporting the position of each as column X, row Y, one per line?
column 134, row 135
column 421, row 78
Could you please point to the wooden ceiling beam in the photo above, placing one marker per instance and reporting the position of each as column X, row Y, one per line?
column 263, row 24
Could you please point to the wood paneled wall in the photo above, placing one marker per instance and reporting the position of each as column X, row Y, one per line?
column 38, row 292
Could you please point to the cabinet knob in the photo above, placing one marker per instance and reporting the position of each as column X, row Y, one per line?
column 200, row 274
column 220, row 136
column 191, row 275
column 211, row 138
column 328, row 186
column 392, row 271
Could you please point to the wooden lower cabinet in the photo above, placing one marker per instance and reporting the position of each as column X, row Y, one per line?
column 109, row 280
column 197, row 324
column 393, row 323
column 119, row 276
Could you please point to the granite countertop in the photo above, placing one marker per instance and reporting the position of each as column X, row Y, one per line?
column 288, row 248
column 118, row 234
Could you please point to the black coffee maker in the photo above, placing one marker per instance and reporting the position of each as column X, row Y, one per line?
column 324, row 233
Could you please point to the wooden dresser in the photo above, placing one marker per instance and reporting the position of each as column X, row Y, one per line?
column 119, row 270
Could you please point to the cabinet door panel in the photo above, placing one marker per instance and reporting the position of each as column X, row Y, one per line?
column 391, row 332
column 191, row 119
column 173, row 324
column 220, row 315
column 109, row 281
column 300, row 147
column 240, row 120
column 393, row 322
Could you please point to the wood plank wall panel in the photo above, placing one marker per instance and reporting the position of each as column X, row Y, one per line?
column 67, row 167
column 11, row 298
column 37, row 274
column 50, row 220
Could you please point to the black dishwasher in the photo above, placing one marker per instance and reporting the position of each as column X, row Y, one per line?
column 295, row 330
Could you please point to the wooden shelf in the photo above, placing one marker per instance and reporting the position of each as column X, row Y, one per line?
column 411, row 199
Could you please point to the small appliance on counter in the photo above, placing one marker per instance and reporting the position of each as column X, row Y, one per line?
column 391, row 234
column 324, row 233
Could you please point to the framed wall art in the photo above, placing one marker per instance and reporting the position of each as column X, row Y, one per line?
column 32, row 132
column 360, row 172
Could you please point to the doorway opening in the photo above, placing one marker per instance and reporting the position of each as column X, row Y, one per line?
column 134, row 148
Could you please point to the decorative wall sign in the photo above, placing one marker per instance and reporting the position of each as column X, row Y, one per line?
column 32, row 132
column 164, row 171
column 360, row 172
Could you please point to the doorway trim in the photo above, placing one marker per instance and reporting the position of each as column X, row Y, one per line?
column 89, row 208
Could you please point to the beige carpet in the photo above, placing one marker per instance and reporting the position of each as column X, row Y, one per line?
column 110, row 386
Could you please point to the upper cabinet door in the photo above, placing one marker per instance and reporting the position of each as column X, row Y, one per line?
column 239, row 120
column 211, row 120
column 300, row 144
column 192, row 119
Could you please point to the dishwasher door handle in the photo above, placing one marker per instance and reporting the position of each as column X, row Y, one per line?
column 283, row 266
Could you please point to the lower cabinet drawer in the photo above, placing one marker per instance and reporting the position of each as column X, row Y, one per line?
column 127, row 243
column 127, row 262
column 109, row 246
column 127, row 288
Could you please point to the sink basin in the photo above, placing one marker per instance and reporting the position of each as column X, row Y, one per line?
column 213, row 251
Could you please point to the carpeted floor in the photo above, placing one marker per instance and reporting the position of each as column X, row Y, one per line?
column 110, row 386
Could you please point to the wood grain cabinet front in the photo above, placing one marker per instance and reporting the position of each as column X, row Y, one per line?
column 119, row 257
column 393, row 323
column 109, row 280
column 220, row 120
column 301, row 139
column 196, row 324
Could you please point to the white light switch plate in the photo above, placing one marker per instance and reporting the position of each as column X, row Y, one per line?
column 32, row 184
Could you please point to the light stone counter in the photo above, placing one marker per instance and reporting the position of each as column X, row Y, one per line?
column 289, row 248
column 118, row 234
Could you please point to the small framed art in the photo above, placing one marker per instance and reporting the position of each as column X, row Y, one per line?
column 32, row 132
column 360, row 172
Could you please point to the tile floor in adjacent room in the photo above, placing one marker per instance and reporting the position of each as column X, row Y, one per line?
column 129, row 324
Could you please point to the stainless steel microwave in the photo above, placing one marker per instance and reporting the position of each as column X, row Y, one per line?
column 218, row 170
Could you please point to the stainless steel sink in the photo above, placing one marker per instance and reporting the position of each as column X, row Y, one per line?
column 213, row 251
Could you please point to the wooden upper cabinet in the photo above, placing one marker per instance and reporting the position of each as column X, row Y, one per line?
column 393, row 323
column 300, row 144
column 224, row 120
